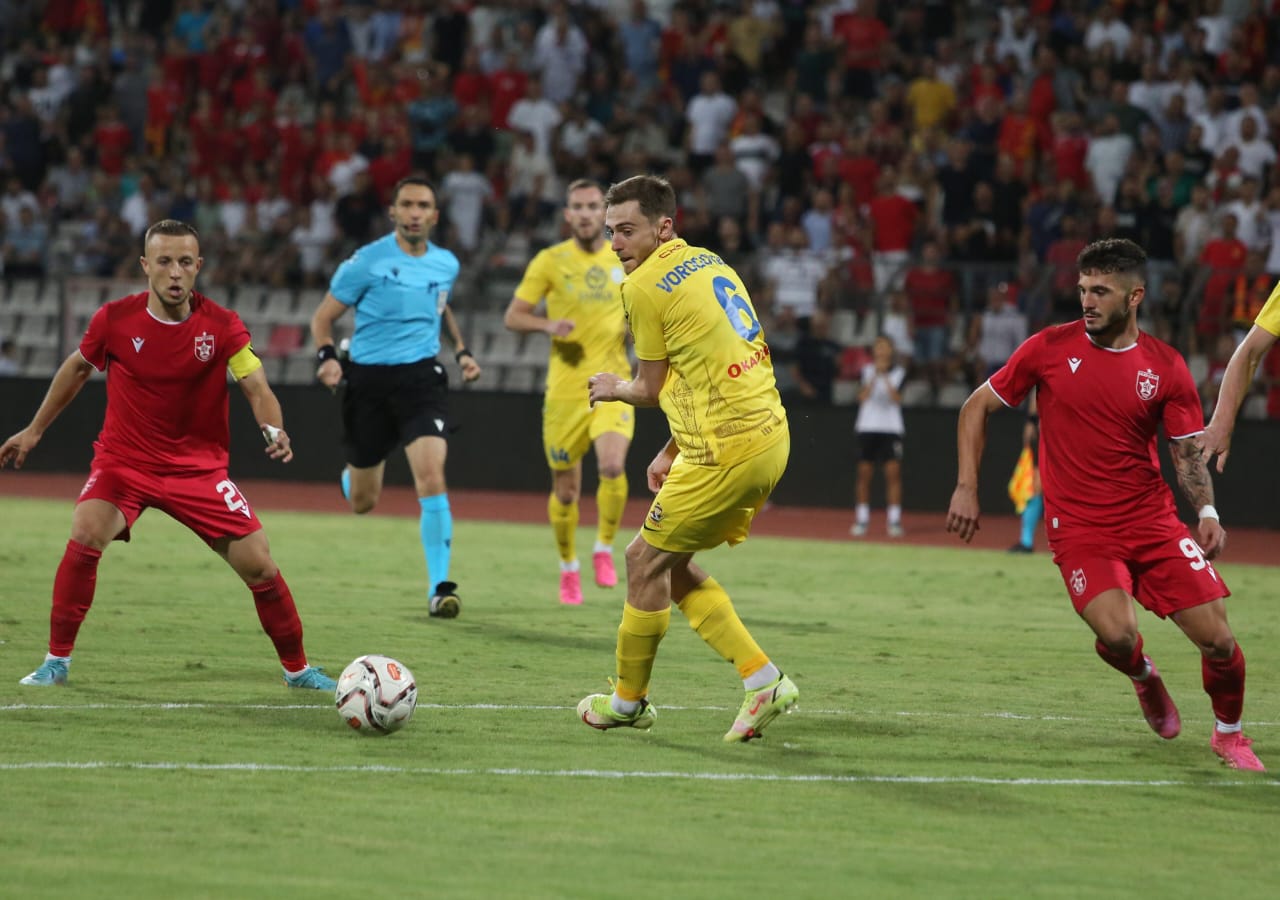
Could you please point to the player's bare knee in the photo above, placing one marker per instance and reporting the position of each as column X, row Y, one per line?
column 88, row 537
column 1221, row 645
column 361, row 504
column 1120, row 640
column 611, row 469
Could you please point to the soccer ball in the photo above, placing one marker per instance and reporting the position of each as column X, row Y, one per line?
column 376, row 694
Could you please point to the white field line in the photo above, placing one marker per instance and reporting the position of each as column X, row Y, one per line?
column 618, row 775
column 524, row 707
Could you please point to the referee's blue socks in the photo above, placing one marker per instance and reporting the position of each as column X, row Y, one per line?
column 1030, row 519
column 345, row 481
column 436, row 528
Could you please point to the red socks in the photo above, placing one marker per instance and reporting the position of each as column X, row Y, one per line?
column 279, row 618
column 1131, row 665
column 73, row 588
column 1224, row 683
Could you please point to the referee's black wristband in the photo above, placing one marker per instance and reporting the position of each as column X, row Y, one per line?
column 326, row 353
column 457, row 357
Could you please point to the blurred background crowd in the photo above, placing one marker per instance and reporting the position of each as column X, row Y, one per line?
column 925, row 169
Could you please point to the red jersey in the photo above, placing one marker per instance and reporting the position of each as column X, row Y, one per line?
column 1099, row 412
column 166, row 384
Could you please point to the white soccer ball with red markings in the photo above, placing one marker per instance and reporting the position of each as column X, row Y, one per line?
column 376, row 694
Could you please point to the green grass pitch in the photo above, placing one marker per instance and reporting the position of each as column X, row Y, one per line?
column 956, row 735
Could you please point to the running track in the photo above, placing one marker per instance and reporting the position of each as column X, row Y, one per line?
column 1244, row 545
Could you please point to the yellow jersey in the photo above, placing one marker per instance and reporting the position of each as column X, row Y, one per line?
column 1269, row 318
column 686, row 305
column 583, row 288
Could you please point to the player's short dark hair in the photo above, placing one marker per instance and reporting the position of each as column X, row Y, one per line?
column 419, row 180
column 1113, row 256
column 653, row 193
column 579, row 184
column 170, row 228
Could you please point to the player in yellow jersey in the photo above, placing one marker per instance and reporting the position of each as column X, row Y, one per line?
column 579, row 280
column 1216, row 439
column 704, row 360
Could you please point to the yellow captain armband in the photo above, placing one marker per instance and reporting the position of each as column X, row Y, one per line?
column 244, row 363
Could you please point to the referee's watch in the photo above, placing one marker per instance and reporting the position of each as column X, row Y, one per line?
column 326, row 353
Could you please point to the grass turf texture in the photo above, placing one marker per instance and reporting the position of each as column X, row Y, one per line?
column 956, row 735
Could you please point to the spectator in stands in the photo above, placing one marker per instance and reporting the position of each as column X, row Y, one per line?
column 796, row 280
column 708, row 115
column 995, row 333
column 26, row 246
column 1248, row 294
column 754, row 151
column 537, row 115
column 815, row 362
column 355, row 212
column 726, row 190
column 430, row 117
column 9, row 358
column 466, row 196
column 560, row 55
column 1222, row 259
column 1194, row 226
column 893, row 219
column 16, row 198
column 1251, row 220
column 577, row 136
column 1108, row 155
column 71, row 181
column 641, row 38
column 531, row 183
column 932, row 292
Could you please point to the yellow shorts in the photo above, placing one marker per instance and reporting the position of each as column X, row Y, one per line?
column 569, row 427
column 700, row 507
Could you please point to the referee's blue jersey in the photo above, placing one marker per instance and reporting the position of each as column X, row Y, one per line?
column 399, row 300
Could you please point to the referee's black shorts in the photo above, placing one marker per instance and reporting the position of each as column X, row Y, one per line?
column 384, row 407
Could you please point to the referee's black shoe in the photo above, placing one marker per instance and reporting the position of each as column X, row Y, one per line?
column 444, row 601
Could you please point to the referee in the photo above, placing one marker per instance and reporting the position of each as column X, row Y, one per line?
column 396, row 391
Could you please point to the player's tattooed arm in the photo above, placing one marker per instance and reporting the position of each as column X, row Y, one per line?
column 1197, row 487
column 1193, row 473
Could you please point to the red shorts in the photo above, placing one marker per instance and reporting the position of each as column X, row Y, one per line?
column 209, row 503
column 1164, row 569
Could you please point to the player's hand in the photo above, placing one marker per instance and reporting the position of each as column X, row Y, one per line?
column 330, row 373
column 15, row 449
column 278, row 446
column 1215, row 440
column 962, row 516
column 470, row 368
column 658, row 470
column 559, row 327
column 603, row 387
column 1213, row 538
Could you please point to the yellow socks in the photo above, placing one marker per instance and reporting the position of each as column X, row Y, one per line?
column 611, row 500
column 711, row 615
column 638, row 639
column 564, row 522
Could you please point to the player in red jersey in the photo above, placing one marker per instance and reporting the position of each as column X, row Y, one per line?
column 1103, row 389
column 164, row 444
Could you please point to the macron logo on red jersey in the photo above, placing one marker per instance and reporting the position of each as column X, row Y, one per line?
column 137, row 344
column 1074, row 363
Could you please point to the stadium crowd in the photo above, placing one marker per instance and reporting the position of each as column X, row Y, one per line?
column 926, row 169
